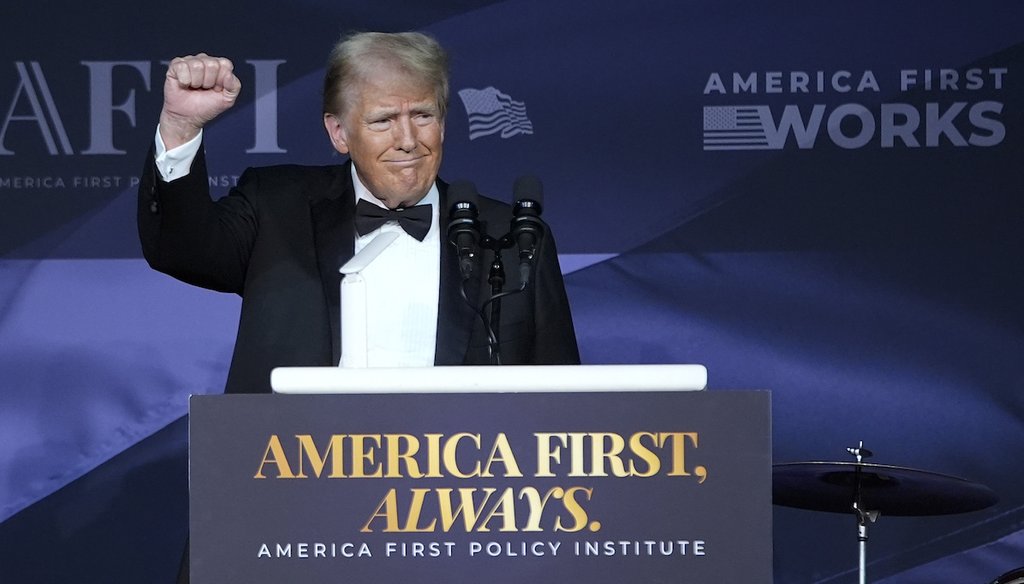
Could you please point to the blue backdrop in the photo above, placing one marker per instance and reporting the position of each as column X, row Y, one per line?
column 824, row 200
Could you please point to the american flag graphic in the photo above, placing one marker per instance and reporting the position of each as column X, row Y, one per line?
column 735, row 128
column 491, row 111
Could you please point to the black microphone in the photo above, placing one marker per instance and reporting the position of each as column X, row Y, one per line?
column 527, row 228
column 463, row 227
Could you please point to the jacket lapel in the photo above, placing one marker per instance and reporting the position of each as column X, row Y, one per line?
column 455, row 319
column 335, row 243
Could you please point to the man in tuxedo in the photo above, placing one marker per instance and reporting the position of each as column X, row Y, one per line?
column 279, row 237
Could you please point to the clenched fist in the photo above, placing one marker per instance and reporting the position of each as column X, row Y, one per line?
column 197, row 89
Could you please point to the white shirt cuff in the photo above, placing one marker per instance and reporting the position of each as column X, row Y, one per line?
column 177, row 162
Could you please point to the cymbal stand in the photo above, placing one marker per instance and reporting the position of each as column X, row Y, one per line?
column 864, row 516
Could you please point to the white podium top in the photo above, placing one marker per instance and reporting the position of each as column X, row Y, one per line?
column 484, row 378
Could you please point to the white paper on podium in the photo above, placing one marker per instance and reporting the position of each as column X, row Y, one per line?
column 489, row 378
column 353, row 301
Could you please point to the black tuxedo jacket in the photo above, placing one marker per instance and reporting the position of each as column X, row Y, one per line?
column 278, row 239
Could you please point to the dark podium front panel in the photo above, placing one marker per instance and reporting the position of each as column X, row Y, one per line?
column 617, row 487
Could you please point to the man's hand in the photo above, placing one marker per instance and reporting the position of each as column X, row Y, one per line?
column 197, row 89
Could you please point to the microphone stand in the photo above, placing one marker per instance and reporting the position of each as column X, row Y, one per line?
column 525, row 232
column 496, row 278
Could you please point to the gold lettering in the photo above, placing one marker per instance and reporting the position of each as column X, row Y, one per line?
column 576, row 511
column 546, row 453
column 678, row 442
column 451, row 462
column 308, row 450
column 434, row 456
column 363, row 455
column 493, row 510
column 387, row 510
column 415, row 509
column 576, row 443
column 274, row 454
column 536, row 504
column 505, row 508
column 397, row 456
column 502, row 452
column 461, row 456
column 467, row 507
column 599, row 455
column 645, row 454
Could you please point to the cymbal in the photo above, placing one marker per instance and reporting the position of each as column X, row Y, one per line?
column 890, row 490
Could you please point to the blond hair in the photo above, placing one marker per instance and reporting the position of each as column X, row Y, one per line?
column 356, row 55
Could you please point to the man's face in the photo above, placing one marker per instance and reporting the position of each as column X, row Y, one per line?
column 393, row 133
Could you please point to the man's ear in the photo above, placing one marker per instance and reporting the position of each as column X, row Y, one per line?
column 336, row 132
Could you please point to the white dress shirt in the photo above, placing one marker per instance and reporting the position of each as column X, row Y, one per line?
column 402, row 286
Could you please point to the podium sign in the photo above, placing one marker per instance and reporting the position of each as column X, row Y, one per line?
column 481, row 487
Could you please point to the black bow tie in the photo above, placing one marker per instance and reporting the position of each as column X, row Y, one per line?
column 414, row 220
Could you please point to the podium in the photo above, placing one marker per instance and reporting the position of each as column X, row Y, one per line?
column 467, row 481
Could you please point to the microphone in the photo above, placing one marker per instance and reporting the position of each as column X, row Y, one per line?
column 526, row 226
column 463, row 227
